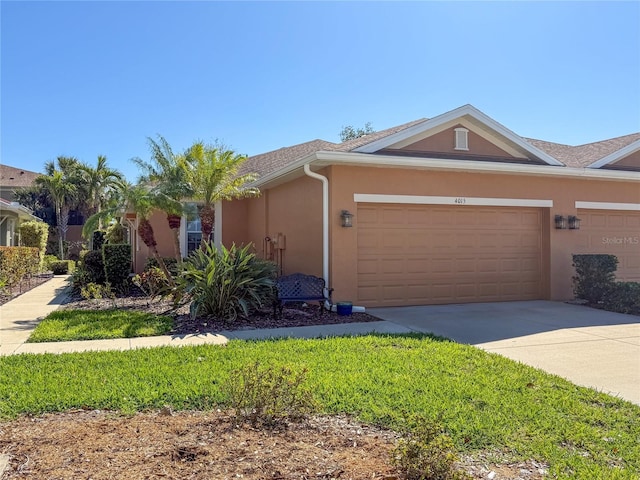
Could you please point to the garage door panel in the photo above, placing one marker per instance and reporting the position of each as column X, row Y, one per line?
column 442, row 254
column 611, row 232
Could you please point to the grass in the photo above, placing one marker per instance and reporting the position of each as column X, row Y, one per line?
column 485, row 401
column 67, row 325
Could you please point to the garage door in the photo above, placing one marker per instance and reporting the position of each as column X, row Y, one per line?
column 421, row 255
column 613, row 232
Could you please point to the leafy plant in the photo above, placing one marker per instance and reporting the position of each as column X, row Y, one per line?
column 226, row 283
column 116, row 233
column 117, row 265
column 153, row 282
column 98, row 239
column 93, row 267
column 595, row 276
column 18, row 262
column 63, row 267
column 624, row 297
column 426, row 452
column 35, row 234
column 269, row 394
column 95, row 291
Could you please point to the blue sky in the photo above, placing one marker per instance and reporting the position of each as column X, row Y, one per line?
column 92, row 78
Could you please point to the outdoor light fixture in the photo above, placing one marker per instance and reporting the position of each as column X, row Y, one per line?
column 346, row 218
column 561, row 222
column 574, row 222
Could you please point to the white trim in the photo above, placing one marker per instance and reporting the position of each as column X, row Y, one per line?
column 435, row 200
column 183, row 236
column 608, row 206
column 617, row 155
column 466, row 110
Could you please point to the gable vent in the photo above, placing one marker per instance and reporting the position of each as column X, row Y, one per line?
column 461, row 138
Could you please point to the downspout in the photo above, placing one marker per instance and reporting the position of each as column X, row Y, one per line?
column 325, row 220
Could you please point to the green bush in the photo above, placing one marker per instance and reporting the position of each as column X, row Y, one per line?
column 63, row 267
column 624, row 297
column 116, row 233
column 595, row 276
column 426, row 452
column 226, row 283
column 97, row 240
column 117, row 265
column 18, row 262
column 269, row 395
column 152, row 282
column 48, row 260
column 35, row 234
column 94, row 291
column 170, row 262
column 93, row 267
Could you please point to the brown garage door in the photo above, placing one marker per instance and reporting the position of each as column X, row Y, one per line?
column 613, row 232
column 420, row 255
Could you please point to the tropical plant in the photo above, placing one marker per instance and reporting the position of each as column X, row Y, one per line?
column 226, row 283
column 97, row 181
column 142, row 201
column 167, row 173
column 213, row 171
column 61, row 184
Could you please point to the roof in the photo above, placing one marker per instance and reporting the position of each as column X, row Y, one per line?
column 16, row 177
column 15, row 207
column 580, row 156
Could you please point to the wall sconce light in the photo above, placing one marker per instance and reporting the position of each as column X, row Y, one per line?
column 561, row 222
column 346, row 218
column 574, row 222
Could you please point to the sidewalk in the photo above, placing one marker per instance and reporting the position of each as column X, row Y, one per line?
column 20, row 316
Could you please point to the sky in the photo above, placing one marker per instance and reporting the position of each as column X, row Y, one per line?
column 89, row 78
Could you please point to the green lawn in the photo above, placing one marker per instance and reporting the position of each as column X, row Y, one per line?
column 66, row 325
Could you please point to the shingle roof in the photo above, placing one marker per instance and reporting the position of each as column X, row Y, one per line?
column 16, row 177
column 572, row 156
column 584, row 155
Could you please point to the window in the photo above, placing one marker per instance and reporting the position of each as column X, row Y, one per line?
column 461, row 138
column 194, row 234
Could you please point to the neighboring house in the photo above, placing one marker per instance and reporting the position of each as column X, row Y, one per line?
column 12, row 179
column 453, row 209
column 11, row 215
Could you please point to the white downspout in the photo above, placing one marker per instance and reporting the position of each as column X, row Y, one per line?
column 325, row 220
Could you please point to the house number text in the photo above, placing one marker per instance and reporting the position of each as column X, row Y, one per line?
column 460, row 200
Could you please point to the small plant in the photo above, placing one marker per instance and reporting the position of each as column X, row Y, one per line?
column 95, row 291
column 595, row 276
column 426, row 452
column 624, row 297
column 269, row 395
column 152, row 282
column 93, row 267
column 62, row 267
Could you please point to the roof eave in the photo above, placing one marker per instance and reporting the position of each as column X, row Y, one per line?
column 617, row 155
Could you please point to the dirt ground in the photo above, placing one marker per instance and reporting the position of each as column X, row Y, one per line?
column 195, row 445
column 213, row 445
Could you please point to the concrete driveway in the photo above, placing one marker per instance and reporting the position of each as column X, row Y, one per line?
column 589, row 347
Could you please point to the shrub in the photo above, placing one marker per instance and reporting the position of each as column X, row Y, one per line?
column 152, row 282
column 97, row 240
column 48, row 260
column 227, row 282
column 116, row 233
column 117, row 265
column 426, row 452
column 624, row 297
column 170, row 262
column 18, row 262
column 93, row 267
column 594, row 277
column 35, row 234
column 269, row 395
column 63, row 267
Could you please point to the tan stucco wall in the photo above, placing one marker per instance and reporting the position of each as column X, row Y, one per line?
column 558, row 244
column 632, row 161
column 444, row 142
column 294, row 210
column 164, row 238
column 234, row 223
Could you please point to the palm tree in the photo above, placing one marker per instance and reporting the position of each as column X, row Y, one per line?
column 213, row 176
column 61, row 186
column 97, row 181
column 168, row 173
column 141, row 200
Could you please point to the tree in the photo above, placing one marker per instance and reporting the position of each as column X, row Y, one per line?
column 350, row 133
column 168, row 173
column 213, row 173
column 96, row 183
column 141, row 200
column 61, row 185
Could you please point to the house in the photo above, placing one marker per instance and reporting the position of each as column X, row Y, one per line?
column 452, row 209
column 12, row 179
column 12, row 214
